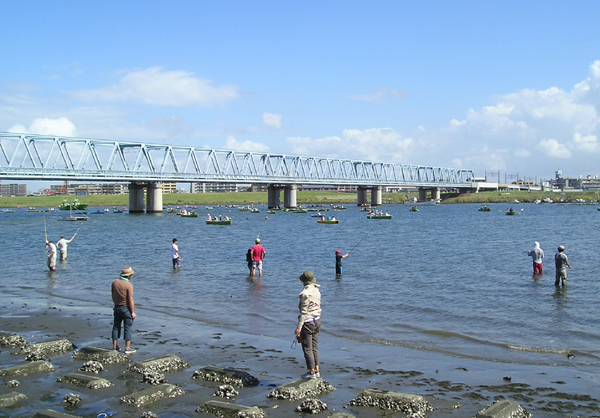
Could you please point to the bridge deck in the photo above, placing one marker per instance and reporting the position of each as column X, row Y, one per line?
column 39, row 157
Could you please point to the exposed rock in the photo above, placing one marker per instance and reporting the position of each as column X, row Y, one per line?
column 311, row 406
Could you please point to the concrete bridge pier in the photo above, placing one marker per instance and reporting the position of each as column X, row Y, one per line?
column 435, row 193
column 273, row 194
column 289, row 196
column 154, row 198
column 361, row 196
column 136, row 197
column 376, row 199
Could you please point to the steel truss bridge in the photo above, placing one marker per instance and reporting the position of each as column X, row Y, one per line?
column 42, row 157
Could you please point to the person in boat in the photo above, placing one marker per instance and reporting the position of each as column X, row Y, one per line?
column 258, row 255
column 309, row 323
column 323, row 217
column 175, row 254
column 62, row 246
column 561, row 262
column 124, row 309
column 51, row 250
column 208, row 218
column 537, row 254
column 220, row 217
column 338, row 262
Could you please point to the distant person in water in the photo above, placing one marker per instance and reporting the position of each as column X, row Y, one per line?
column 175, row 254
column 62, row 246
column 51, row 249
column 537, row 254
column 258, row 255
column 338, row 262
column 561, row 261
column 249, row 260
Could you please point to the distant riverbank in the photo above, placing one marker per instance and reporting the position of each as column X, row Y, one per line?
column 303, row 198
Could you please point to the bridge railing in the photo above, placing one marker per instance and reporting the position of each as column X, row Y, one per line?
column 39, row 157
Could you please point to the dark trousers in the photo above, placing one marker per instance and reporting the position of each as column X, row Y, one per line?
column 122, row 315
column 310, row 343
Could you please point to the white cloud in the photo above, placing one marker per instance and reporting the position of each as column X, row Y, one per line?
column 271, row 120
column 552, row 148
column 234, row 144
column 587, row 143
column 379, row 95
column 522, row 153
column 156, row 86
column 46, row 126
column 526, row 131
column 377, row 144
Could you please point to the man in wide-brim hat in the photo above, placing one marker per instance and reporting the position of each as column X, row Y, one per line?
column 124, row 309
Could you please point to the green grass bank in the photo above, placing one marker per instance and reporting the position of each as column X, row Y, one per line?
column 244, row 198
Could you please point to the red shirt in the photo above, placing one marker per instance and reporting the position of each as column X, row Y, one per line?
column 258, row 252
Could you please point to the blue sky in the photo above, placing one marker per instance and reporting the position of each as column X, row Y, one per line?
column 506, row 86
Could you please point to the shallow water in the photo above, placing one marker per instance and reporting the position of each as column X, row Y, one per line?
column 446, row 279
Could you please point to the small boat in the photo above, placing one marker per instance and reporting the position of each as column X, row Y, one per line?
column 189, row 215
column 485, row 209
column 117, row 210
column 75, row 205
column 221, row 222
column 171, row 210
column 511, row 212
column 254, row 210
column 73, row 218
column 328, row 221
column 379, row 216
column 209, row 208
column 338, row 207
column 271, row 211
column 106, row 210
column 8, row 211
column 414, row 209
column 317, row 209
column 299, row 211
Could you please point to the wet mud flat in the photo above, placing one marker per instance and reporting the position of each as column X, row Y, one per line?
column 452, row 387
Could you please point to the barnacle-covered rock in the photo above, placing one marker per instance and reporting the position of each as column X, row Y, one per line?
column 311, row 406
column 237, row 378
column 412, row 405
column 154, row 378
column 94, row 367
column 226, row 391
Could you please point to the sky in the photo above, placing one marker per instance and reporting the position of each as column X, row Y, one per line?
column 508, row 88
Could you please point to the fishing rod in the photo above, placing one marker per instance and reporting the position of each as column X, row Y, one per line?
column 45, row 231
column 76, row 231
column 358, row 243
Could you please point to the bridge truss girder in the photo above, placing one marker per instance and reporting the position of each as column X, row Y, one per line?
column 41, row 157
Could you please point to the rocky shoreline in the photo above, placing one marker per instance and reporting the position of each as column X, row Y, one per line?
column 448, row 390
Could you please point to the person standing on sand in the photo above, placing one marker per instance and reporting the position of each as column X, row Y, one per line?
column 175, row 254
column 537, row 254
column 309, row 323
column 561, row 261
column 338, row 262
column 124, row 310
column 258, row 255
column 62, row 246
column 51, row 249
